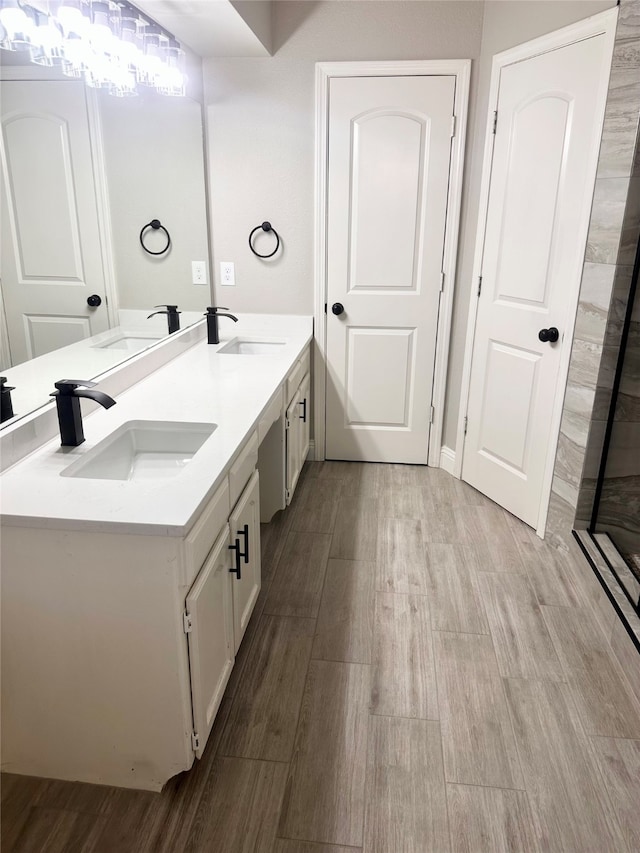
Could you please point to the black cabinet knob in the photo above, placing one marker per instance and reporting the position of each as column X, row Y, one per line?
column 337, row 308
column 549, row 335
column 94, row 301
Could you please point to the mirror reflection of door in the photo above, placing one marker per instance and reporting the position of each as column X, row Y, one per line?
column 51, row 248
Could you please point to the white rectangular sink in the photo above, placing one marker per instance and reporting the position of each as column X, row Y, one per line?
column 129, row 343
column 142, row 450
column 251, row 346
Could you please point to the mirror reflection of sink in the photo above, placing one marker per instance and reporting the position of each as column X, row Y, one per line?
column 251, row 346
column 142, row 450
column 127, row 342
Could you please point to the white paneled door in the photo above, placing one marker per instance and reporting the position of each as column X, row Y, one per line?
column 388, row 177
column 543, row 173
column 51, row 246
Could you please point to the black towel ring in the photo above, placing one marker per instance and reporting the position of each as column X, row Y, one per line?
column 266, row 226
column 156, row 225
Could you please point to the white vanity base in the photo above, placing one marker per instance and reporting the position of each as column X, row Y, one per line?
column 102, row 652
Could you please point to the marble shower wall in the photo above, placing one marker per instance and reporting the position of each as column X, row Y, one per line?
column 614, row 230
column 619, row 509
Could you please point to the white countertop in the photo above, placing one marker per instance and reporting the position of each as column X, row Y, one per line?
column 201, row 386
column 33, row 380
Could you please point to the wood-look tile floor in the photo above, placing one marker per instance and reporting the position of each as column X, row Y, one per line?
column 421, row 675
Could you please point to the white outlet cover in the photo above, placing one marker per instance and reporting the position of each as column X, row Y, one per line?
column 199, row 272
column 227, row 274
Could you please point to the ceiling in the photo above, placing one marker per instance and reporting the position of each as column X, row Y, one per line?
column 215, row 28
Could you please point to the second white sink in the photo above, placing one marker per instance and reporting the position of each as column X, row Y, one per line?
column 142, row 450
column 251, row 346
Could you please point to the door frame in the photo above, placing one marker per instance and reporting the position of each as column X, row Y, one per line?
column 604, row 23
column 103, row 210
column 325, row 71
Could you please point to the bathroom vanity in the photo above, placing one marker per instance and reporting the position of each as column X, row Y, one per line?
column 131, row 564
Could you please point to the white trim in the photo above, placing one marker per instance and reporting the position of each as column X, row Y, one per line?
column 461, row 69
column 5, row 352
column 311, row 454
column 602, row 23
column 103, row 208
column 448, row 460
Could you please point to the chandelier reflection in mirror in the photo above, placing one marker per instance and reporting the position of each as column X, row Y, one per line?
column 112, row 45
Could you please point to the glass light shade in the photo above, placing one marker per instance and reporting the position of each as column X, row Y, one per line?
column 48, row 46
column 124, row 82
column 76, row 52
column 172, row 79
column 129, row 46
column 152, row 61
column 97, row 71
column 100, row 32
column 19, row 25
column 74, row 17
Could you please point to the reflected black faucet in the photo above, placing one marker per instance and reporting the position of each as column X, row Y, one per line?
column 6, row 404
column 67, row 396
column 173, row 316
column 212, row 315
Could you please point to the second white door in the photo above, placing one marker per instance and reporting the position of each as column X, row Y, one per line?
column 388, row 180
column 549, row 122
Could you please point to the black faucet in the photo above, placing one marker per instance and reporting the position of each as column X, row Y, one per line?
column 67, row 396
column 212, row 315
column 173, row 316
column 6, row 404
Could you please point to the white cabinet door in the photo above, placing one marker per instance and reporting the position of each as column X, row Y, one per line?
column 294, row 438
column 210, row 633
column 245, row 553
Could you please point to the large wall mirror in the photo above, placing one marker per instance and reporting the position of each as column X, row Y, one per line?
column 82, row 173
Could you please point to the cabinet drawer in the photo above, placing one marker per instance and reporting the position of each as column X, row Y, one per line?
column 242, row 468
column 271, row 415
column 297, row 374
column 206, row 530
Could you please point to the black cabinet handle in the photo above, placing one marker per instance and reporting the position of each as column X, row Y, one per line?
column 549, row 335
column 237, row 571
column 244, row 532
column 303, row 416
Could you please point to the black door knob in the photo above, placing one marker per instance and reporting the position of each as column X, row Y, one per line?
column 94, row 301
column 549, row 335
column 337, row 308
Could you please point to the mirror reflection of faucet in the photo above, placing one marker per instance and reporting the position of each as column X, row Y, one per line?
column 68, row 394
column 6, row 404
column 213, row 312
column 173, row 316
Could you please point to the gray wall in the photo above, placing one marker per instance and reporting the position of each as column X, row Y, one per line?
column 260, row 126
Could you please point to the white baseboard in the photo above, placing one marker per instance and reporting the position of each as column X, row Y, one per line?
column 448, row 460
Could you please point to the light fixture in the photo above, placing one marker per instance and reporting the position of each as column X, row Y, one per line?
column 109, row 43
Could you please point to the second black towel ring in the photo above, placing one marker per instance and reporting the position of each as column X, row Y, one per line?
column 266, row 226
column 157, row 226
